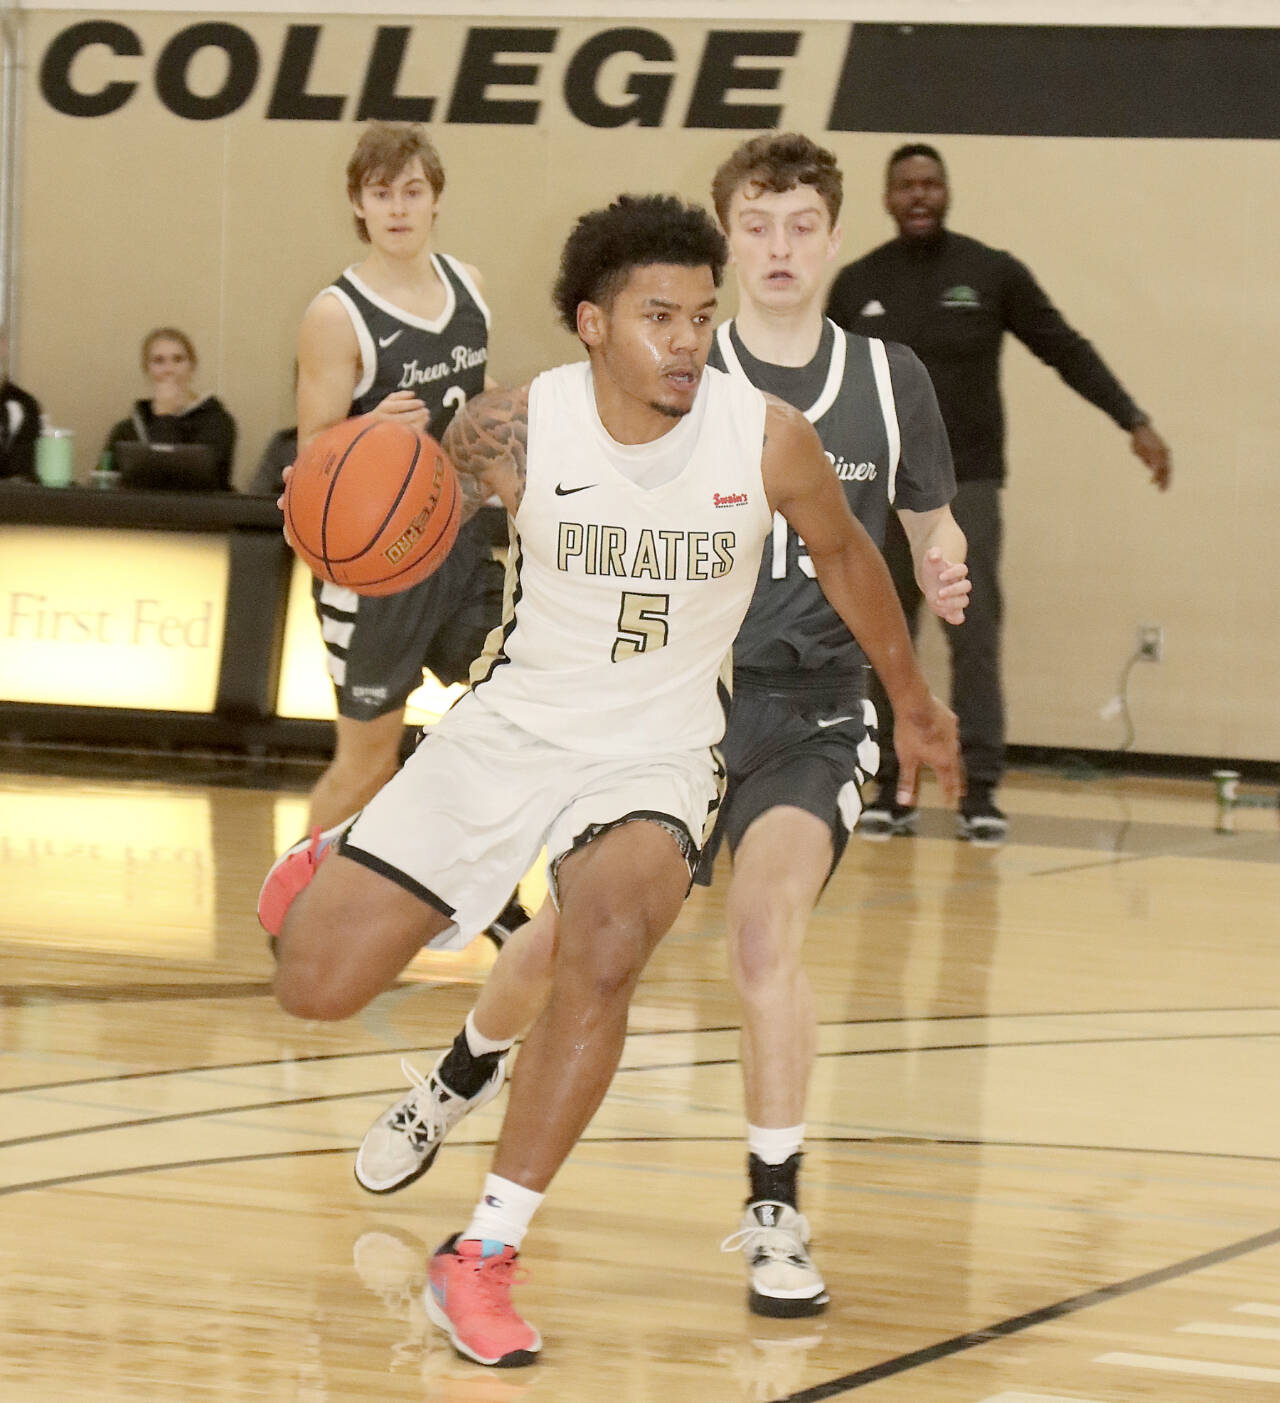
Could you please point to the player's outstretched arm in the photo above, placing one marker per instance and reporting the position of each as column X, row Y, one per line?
column 938, row 549
column 487, row 443
column 853, row 576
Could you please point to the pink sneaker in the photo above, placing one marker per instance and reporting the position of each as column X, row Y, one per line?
column 469, row 1296
column 291, row 871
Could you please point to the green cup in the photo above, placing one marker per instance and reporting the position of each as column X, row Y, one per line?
column 1227, row 786
column 55, row 457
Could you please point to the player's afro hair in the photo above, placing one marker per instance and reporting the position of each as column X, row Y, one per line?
column 634, row 232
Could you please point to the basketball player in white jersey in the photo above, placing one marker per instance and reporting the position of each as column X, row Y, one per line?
column 800, row 740
column 642, row 488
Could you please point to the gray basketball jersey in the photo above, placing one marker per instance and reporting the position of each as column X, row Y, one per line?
column 441, row 361
column 849, row 394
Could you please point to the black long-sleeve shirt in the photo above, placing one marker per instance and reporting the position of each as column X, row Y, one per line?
column 951, row 299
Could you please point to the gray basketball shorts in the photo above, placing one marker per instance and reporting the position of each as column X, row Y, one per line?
column 781, row 751
column 377, row 646
column 466, row 815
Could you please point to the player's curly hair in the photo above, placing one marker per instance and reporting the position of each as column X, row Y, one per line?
column 634, row 232
column 775, row 163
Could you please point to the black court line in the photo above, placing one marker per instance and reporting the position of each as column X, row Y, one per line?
column 264, row 1156
column 886, row 1020
column 89, row 1177
column 1002, row 1329
column 975, row 1142
column 208, row 1112
column 18, row 995
column 724, row 1061
column 412, row 1048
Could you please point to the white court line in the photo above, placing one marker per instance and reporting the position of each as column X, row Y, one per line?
column 1237, row 1332
column 1257, row 1308
column 1206, row 1367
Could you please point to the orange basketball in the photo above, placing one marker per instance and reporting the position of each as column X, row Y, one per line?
column 373, row 505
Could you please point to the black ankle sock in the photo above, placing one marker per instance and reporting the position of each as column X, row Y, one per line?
column 777, row 1182
column 462, row 1071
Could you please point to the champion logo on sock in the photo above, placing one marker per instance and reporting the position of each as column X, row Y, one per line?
column 493, row 1201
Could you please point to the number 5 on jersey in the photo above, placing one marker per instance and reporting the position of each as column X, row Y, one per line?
column 642, row 624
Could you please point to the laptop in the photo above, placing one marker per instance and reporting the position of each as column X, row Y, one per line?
column 167, row 467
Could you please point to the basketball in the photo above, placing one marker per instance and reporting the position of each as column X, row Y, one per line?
column 373, row 505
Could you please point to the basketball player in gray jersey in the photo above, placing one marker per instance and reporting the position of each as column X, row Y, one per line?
column 801, row 738
column 402, row 334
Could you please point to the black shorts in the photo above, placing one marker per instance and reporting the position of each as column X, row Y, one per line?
column 377, row 647
column 784, row 751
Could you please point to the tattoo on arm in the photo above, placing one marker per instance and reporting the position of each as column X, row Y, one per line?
column 486, row 442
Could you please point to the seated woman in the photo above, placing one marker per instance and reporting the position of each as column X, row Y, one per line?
column 175, row 413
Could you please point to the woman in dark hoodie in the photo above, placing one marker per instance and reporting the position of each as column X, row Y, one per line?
column 176, row 412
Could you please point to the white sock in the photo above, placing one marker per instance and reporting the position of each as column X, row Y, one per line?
column 477, row 1041
column 775, row 1146
column 503, row 1213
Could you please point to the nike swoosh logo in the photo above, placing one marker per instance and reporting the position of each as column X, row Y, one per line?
column 833, row 720
column 385, row 341
column 569, row 491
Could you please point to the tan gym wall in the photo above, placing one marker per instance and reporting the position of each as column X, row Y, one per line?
column 1160, row 251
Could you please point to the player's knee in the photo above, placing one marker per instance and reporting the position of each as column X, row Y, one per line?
column 762, row 951
column 604, row 968
column 306, row 988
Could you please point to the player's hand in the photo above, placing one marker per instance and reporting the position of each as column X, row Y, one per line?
column 946, row 586
column 1154, row 452
column 285, row 476
column 406, row 408
column 926, row 735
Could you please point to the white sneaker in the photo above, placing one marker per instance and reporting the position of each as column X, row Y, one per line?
column 781, row 1276
column 401, row 1144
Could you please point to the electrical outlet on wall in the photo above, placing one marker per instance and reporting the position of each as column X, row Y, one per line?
column 1151, row 643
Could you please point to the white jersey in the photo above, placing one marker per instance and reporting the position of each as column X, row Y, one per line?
column 623, row 600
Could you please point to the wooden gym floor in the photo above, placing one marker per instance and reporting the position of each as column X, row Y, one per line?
column 1043, row 1132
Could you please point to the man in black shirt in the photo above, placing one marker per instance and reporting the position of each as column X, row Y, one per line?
column 951, row 299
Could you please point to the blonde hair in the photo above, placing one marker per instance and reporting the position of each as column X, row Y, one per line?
column 168, row 333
